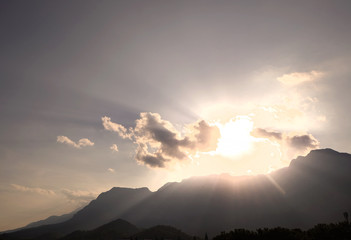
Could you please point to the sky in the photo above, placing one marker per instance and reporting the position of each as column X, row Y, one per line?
column 99, row 94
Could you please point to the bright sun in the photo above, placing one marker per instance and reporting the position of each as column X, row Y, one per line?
column 235, row 136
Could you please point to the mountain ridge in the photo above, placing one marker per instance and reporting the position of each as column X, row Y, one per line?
column 313, row 189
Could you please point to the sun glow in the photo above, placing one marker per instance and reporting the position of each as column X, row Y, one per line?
column 235, row 136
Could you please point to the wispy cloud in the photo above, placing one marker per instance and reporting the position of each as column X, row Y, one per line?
column 159, row 143
column 114, row 148
column 299, row 77
column 33, row 189
column 83, row 142
column 78, row 195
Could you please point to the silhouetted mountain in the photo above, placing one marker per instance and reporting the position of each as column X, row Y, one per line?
column 313, row 189
column 51, row 220
column 47, row 221
column 118, row 229
column 162, row 232
column 105, row 208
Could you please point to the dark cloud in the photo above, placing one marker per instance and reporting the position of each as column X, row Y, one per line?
column 151, row 159
column 295, row 144
column 159, row 142
column 303, row 142
column 260, row 132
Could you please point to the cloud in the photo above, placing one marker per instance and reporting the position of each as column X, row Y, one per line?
column 111, row 170
column 114, row 148
column 83, row 142
column 299, row 77
column 262, row 133
column 158, row 142
column 37, row 190
column 303, row 142
column 295, row 144
column 115, row 127
column 78, row 195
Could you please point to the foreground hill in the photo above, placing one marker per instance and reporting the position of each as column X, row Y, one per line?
column 118, row 229
column 313, row 189
column 162, row 232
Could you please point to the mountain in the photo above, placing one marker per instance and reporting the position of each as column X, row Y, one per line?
column 313, row 189
column 51, row 220
column 46, row 221
column 105, row 208
column 117, row 229
column 120, row 229
column 162, row 232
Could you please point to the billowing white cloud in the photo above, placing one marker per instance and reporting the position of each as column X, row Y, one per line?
column 299, row 77
column 159, row 143
column 33, row 189
column 114, row 148
column 83, row 142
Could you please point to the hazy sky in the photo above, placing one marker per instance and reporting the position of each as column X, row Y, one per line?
column 96, row 94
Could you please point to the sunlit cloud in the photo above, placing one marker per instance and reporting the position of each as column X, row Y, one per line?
column 159, row 143
column 111, row 170
column 299, row 77
column 83, row 142
column 37, row 190
column 115, row 127
column 114, row 148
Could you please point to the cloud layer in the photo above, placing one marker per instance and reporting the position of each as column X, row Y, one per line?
column 83, row 142
column 299, row 77
column 33, row 189
column 76, row 196
column 159, row 143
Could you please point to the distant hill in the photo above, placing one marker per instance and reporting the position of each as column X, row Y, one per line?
column 313, row 189
column 47, row 221
column 105, row 208
column 51, row 220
